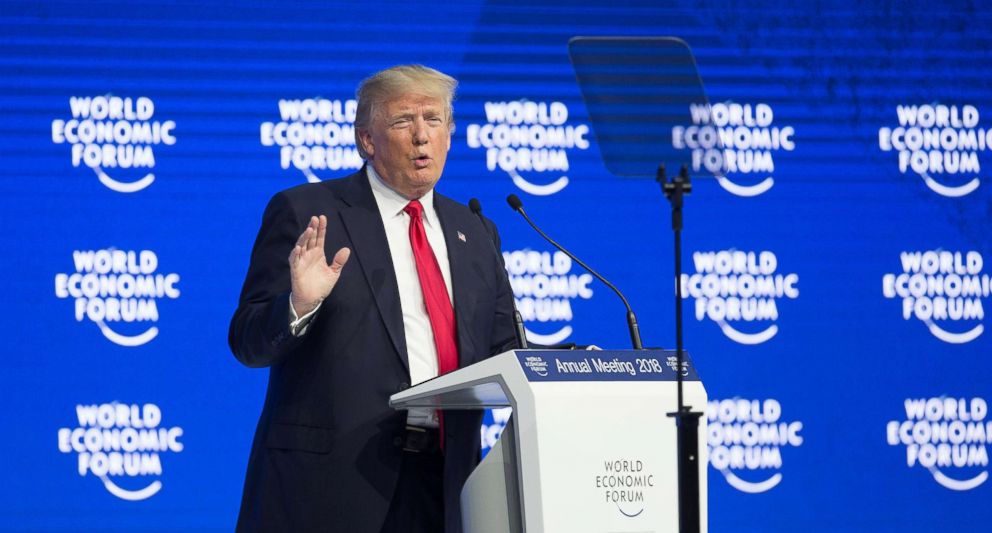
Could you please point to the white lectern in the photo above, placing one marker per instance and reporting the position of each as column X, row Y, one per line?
column 590, row 447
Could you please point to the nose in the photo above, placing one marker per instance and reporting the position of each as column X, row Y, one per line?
column 420, row 131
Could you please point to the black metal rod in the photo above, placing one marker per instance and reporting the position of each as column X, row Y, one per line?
column 688, row 438
column 678, row 314
column 686, row 420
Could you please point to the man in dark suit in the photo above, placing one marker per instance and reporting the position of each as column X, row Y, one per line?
column 414, row 288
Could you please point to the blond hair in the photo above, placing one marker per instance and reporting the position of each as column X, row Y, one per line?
column 394, row 82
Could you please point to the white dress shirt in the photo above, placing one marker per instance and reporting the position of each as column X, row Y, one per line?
column 420, row 346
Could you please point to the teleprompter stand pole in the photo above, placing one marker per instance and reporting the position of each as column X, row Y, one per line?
column 686, row 420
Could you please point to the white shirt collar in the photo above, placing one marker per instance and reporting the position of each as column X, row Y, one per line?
column 392, row 203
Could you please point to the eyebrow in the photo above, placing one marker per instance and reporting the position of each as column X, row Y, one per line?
column 429, row 113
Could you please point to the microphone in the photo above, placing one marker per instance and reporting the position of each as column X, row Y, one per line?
column 476, row 207
column 518, row 321
column 635, row 334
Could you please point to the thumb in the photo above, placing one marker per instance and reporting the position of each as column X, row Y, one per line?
column 340, row 259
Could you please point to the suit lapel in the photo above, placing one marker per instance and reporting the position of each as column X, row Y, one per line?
column 459, row 260
column 369, row 245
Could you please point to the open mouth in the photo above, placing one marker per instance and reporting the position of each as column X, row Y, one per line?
column 422, row 161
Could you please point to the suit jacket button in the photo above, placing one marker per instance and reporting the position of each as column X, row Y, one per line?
column 397, row 441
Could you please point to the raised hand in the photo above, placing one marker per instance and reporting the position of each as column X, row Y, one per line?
column 312, row 278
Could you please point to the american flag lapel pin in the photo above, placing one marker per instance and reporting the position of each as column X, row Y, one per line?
column 461, row 237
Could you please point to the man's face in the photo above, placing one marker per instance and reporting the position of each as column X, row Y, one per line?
column 408, row 143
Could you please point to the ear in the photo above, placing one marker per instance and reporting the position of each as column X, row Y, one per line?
column 365, row 138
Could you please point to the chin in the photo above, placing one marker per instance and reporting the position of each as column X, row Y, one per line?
column 426, row 180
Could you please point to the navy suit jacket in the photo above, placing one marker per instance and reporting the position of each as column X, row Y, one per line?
column 327, row 449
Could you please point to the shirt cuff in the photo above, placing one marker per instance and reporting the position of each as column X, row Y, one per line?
column 298, row 325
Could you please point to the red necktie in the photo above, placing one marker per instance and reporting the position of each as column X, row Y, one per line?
column 439, row 310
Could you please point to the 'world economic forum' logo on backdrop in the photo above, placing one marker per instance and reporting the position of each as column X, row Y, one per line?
column 945, row 434
column 731, row 139
column 732, row 286
column 314, row 134
column 119, row 287
column 746, row 438
column 939, row 143
column 544, row 288
column 110, row 134
column 529, row 140
column 942, row 289
column 121, row 445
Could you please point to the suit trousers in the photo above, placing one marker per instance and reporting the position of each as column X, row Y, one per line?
column 418, row 503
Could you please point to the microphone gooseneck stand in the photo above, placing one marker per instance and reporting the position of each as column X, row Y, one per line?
column 686, row 420
column 518, row 320
column 635, row 333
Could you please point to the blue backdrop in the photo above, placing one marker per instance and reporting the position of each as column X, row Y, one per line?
column 836, row 275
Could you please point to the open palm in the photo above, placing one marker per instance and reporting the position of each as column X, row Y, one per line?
column 312, row 278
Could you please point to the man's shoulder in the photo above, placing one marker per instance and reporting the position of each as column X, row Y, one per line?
column 458, row 212
column 327, row 192
column 450, row 204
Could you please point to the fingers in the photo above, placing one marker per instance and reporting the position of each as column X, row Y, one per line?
column 340, row 259
column 321, row 231
column 304, row 237
column 312, row 229
column 312, row 237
